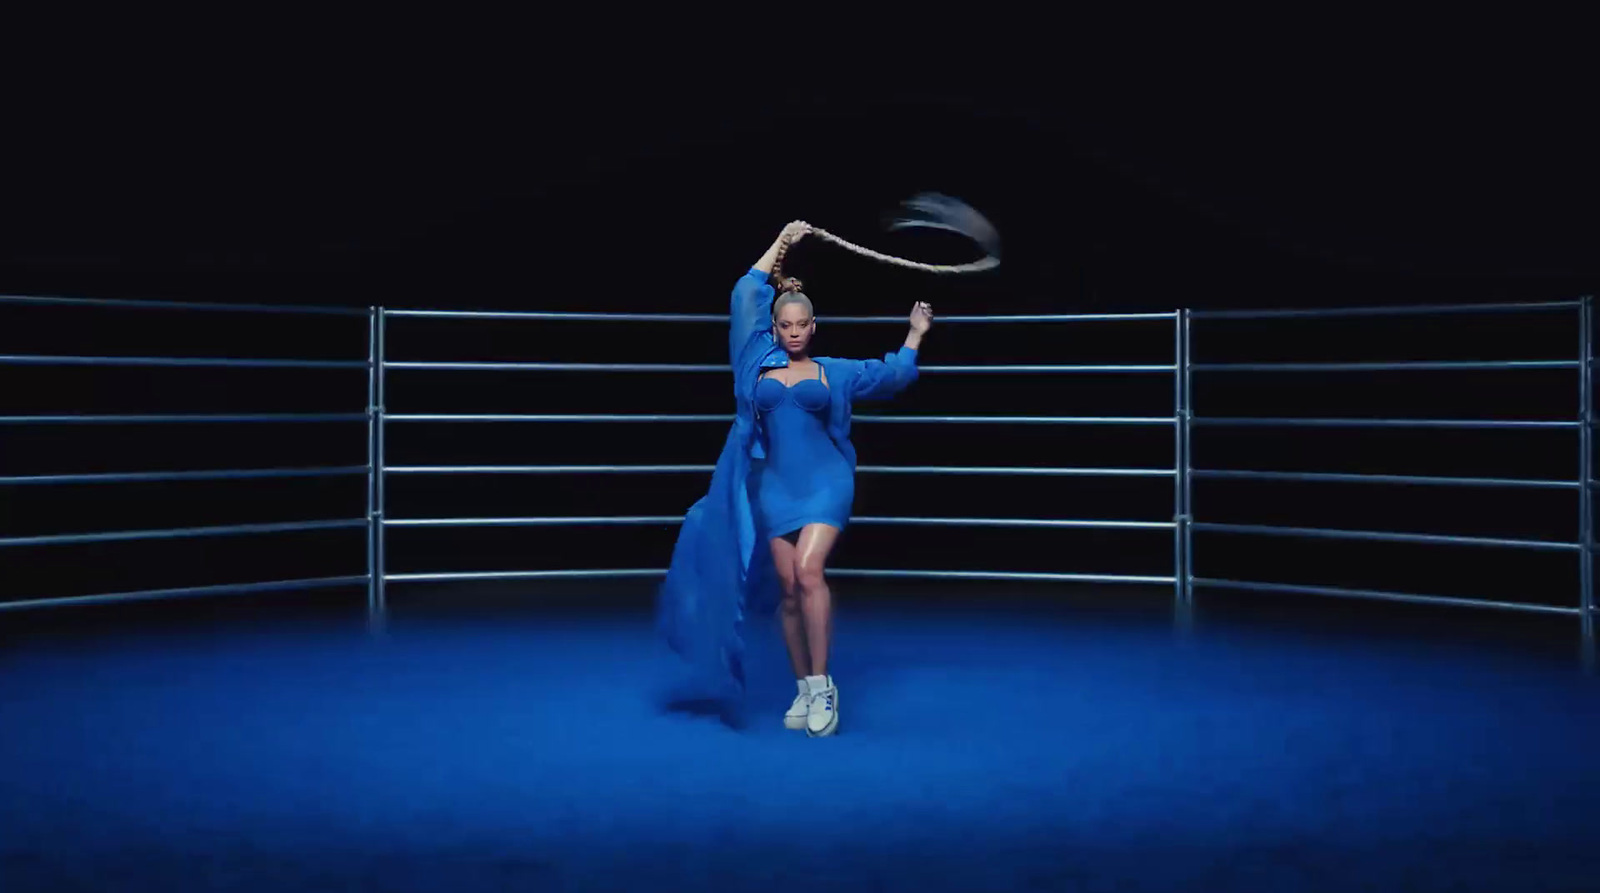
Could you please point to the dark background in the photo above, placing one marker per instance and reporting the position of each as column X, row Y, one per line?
column 1297, row 169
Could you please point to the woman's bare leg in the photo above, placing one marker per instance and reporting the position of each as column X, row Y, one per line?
column 794, row 631
column 816, row 602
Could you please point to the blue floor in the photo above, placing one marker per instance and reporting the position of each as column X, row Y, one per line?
column 980, row 750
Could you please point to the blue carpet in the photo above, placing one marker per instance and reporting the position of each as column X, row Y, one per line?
column 1003, row 751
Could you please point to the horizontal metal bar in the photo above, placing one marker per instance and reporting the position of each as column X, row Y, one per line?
column 30, row 360
column 1017, row 419
column 1378, row 423
column 1052, row 368
column 569, row 521
column 1016, row 522
column 711, row 367
column 622, row 573
column 1382, row 367
column 182, row 305
column 722, row 319
column 587, row 520
column 1411, row 310
column 707, row 469
column 619, row 573
column 178, row 533
column 179, row 419
column 557, row 367
column 141, row 476
column 1383, row 536
column 898, row 419
column 1318, row 477
column 560, row 316
column 997, row 575
column 186, row 592
column 552, row 417
column 1380, row 595
column 1017, row 470
column 1015, row 318
column 549, row 469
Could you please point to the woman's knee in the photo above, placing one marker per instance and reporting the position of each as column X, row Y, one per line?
column 809, row 578
column 787, row 583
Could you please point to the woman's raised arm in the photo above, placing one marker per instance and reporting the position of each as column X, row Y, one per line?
column 792, row 233
column 750, row 308
column 882, row 379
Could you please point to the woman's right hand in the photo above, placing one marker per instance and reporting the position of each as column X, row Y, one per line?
column 792, row 233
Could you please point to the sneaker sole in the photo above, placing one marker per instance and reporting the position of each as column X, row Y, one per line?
column 832, row 726
column 794, row 723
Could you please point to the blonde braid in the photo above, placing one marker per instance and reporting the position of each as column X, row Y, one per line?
column 930, row 210
column 977, row 266
column 783, row 285
column 777, row 264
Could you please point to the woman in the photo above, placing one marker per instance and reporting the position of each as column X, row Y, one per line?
column 783, row 486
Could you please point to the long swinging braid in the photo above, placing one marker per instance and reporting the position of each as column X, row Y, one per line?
column 927, row 211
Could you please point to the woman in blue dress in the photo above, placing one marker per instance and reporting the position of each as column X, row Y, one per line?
column 782, row 490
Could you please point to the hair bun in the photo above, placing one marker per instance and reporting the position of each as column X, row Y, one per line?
column 788, row 284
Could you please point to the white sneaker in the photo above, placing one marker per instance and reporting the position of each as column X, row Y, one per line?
column 796, row 717
column 822, row 713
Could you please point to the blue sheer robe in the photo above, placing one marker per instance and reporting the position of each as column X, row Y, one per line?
column 720, row 573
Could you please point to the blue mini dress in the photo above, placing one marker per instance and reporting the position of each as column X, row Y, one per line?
column 803, row 479
column 783, row 464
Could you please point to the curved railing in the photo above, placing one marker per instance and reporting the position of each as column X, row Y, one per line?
column 1183, row 522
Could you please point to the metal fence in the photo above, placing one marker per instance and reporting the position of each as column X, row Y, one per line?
column 1581, row 423
column 267, row 420
column 1183, row 422
column 386, row 522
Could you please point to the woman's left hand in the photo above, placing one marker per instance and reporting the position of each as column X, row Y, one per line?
column 921, row 317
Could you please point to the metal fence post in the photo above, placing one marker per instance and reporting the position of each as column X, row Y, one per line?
column 372, row 466
column 1180, row 483
column 1586, row 478
column 1186, row 461
column 380, row 605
